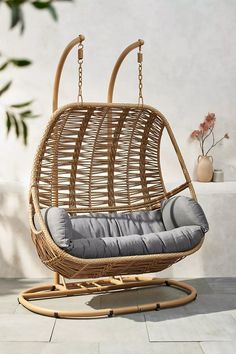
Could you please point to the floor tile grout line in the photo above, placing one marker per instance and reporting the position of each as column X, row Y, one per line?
column 232, row 317
column 18, row 307
column 146, row 328
column 23, row 341
column 200, row 347
column 50, row 339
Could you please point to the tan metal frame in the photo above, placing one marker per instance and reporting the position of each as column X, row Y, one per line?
column 104, row 285
column 108, row 272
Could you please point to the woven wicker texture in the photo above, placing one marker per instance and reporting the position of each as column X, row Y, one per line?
column 100, row 157
column 80, row 166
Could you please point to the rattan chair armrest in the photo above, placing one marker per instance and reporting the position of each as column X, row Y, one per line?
column 177, row 190
column 31, row 222
column 34, row 207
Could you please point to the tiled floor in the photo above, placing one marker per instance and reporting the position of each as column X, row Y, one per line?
column 207, row 325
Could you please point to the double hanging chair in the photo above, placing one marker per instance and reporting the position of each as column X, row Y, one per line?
column 100, row 213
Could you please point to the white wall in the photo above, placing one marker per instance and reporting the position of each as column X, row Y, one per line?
column 189, row 69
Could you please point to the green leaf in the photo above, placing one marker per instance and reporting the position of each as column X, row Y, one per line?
column 41, row 4
column 22, row 25
column 8, row 122
column 16, row 124
column 31, row 116
column 20, row 62
column 53, row 12
column 16, row 15
column 4, row 65
column 5, row 88
column 26, row 113
column 21, row 105
column 25, row 132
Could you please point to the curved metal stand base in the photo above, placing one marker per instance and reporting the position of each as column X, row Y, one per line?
column 99, row 286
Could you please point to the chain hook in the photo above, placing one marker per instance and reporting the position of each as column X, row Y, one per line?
column 80, row 71
column 140, row 74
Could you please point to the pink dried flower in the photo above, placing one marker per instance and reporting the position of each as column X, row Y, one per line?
column 204, row 126
column 211, row 116
column 210, row 119
column 206, row 131
column 195, row 134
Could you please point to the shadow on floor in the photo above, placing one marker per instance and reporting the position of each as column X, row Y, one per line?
column 210, row 299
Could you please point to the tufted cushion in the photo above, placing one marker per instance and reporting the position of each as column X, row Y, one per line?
column 97, row 225
column 177, row 227
column 183, row 211
column 59, row 226
column 177, row 240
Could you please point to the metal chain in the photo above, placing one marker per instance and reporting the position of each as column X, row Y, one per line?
column 140, row 76
column 80, row 72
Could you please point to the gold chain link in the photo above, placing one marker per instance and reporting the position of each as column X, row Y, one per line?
column 80, row 72
column 140, row 76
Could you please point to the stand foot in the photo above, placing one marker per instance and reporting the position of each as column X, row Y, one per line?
column 104, row 285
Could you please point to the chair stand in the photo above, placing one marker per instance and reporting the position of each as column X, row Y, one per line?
column 63, row 289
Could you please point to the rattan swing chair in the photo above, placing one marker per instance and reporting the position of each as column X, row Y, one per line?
column 86, row 163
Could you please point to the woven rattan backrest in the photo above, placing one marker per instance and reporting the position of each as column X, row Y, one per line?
column 79, row 167
column 102, row 156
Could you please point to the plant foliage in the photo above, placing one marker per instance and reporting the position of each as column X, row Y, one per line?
column 17, row 14
column 18, row 114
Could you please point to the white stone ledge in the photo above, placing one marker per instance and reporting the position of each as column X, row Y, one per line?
column 228, row 187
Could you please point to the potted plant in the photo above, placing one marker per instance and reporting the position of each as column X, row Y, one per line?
column 202, row 135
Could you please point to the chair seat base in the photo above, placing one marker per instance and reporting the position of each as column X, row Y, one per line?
column 99, row 286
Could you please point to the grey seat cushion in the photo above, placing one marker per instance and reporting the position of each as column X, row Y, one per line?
column 176, row 240
column 178, row 226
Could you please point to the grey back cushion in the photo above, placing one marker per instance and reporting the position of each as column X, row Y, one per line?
column 97, row 225
column 59, row 225
column 183, row 211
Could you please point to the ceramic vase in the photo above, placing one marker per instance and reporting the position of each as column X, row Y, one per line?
column 205, row 168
